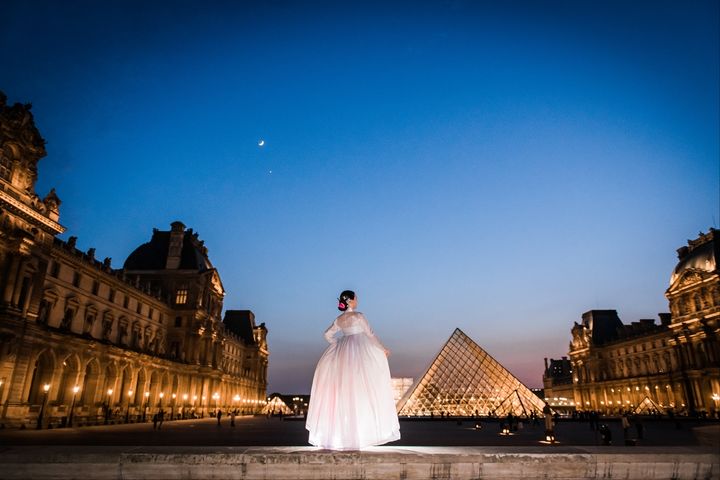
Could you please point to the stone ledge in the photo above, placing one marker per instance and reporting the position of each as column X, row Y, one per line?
column 400, row 463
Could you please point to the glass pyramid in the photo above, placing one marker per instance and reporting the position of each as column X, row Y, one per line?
column 648, row 407
column 465, row 380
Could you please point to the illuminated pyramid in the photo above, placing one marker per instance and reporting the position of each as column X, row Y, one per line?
column 464, row 380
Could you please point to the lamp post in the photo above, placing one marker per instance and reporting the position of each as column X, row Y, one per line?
column 46, row 388
column 76, row 389
column 184, row 405
column 127, row 413
column 107, row 406
column 147, row 403
column 172, row 411
column 216, row 396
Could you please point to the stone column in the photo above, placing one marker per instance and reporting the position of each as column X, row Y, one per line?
column 12, row 273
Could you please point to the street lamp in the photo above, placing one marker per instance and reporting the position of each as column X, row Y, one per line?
column 107, row 406
column 172, row 411
column 127, row 414
column 147, row 403
column 216, row 396
column 204, row 405
column 46, row 388
column 76, row 389
column 184, row 406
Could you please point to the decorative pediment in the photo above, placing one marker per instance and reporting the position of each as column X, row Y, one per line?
column 581, row 337
column 217, row 283
column 688, row 278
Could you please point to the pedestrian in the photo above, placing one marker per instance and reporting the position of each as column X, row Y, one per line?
column 549, row 426
column 639, row 428
column 161, row 418
column 219, row 416
column 232, row 418
column 155, row 420
column 625, row 426
column 593, row 416
column 605, row 434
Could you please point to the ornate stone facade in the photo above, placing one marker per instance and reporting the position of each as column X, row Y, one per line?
column 670, row 366
column 83, row 342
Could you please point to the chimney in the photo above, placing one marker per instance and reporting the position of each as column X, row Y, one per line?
column 177, row 232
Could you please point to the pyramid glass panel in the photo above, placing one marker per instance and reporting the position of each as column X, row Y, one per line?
column 464, row 380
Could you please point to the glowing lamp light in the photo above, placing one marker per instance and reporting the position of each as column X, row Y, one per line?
column 185, row 396
column 550, row 438
column 46, row 387
column 173, row 395
column 110, row 390
column 147, row 394
column 76, row 389
column 162, row 394
column 130, row 392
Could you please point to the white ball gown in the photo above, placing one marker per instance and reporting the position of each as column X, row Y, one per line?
column 351, row 402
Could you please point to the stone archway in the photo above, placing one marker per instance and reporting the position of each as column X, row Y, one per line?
column 68, row 379
column 88, row 394
column 42, row 374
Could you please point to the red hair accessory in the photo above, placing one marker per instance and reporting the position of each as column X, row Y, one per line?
column 341, row 305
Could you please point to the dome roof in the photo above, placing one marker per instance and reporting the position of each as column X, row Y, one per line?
column 700, row 254
column 153, row 255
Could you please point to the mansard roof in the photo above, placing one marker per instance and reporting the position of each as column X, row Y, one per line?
column 153, row 255
column 242, row 324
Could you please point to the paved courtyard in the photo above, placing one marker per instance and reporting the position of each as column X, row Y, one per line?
column 259, row 431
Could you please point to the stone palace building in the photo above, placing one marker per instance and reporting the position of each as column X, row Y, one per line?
column 82, row 342
column 670, row 366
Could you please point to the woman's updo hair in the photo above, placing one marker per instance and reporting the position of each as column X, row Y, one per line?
column 344, row 297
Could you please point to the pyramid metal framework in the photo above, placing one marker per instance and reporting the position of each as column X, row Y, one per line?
column 464, row 380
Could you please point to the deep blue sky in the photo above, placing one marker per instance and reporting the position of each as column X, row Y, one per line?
column 501, row 167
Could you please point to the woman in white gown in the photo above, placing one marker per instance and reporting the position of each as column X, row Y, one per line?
column 351, row 402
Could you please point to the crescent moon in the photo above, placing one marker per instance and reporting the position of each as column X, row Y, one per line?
column 261, row 143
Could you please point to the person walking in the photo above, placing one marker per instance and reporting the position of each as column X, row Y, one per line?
column 219, row 416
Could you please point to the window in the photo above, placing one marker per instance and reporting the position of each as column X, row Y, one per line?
column 150, row 312
column 95, row 287
column 178, row 321
column 111, row 295
column 76, row 279
column 5, row 167
column 67, row 319
column 126, row 301
column 138, row 307
column 181, row 296
column 55, row 269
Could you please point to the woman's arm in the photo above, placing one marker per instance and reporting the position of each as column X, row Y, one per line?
column 369, row 332
column 330, row 333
